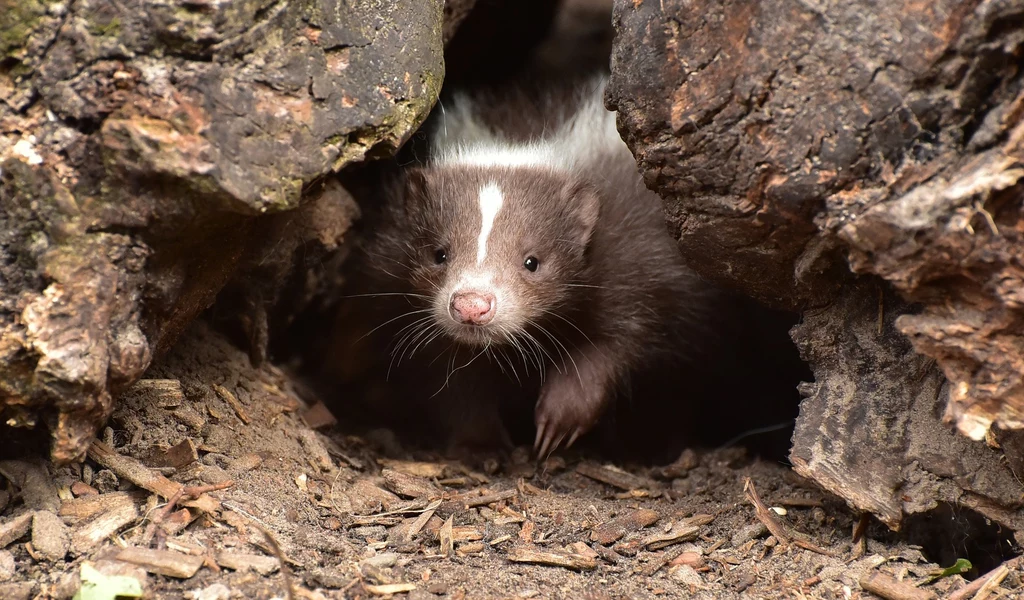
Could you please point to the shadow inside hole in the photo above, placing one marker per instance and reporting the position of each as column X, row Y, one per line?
column 948, row 532
column 742, row 393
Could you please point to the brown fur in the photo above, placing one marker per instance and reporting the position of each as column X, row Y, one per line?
column 612, row 296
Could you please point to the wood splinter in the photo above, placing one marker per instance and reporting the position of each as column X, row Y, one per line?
column 890, row 588
column 765, row 515
column 529, row 554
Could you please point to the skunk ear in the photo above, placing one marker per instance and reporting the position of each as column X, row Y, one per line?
column 582, row 205
column 415, row 183
column 410, row 190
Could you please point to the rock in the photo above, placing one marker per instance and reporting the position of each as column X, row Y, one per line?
column 17, row 591
column 217, row 591
column 14, row 528
column 238, row 561
column 7, row 566
column 51, row 538
column 686, row 575
column 105, row 481
column 381, row 561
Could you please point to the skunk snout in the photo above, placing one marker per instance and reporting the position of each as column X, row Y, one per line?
column 472, row 307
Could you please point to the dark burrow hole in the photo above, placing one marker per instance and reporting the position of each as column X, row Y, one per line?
column 753, row 406
column 753, row 403
column 951, row 532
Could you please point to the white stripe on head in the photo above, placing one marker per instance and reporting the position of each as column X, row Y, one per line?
column 490, row 204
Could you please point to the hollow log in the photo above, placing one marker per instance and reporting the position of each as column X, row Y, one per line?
column 806, row 148
column 151, row 150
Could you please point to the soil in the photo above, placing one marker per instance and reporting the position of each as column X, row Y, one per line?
column 353, row 515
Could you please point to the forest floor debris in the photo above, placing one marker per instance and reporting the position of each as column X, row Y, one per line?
column 241, row 497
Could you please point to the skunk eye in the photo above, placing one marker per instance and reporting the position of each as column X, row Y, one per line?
column 531, row 263
column 440, row 255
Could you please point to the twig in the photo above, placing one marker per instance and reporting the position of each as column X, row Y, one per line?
column 198, row 490
column 888, row 587
column 813, row 547
column 158, row 517
column 766, row 516
column 623, row 481
column 133, row 470
column 285, row 572
column 233, row 402
column 528, row 554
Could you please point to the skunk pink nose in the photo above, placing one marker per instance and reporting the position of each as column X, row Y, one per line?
column 472, row 308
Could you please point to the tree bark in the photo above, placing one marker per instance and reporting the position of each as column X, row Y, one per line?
column 143, row 146
column 801, row 146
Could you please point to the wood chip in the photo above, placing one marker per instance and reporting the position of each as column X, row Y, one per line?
column 659, row 561
column 445, row 536
column 583, row 549
column 608, row 555
column 687, row 461
column 90, row 533
column 428, row 470
column 466, row 533
column 534, row 555
column 890, row 588
column 233, row 402
column 860, row 528
column 80, row 488
column 682, row 531
column 132, row 470
column 420, row 522
column 389, row 589
column 73, row 511
column 163, row 562
column 527, row 531
column 204, row 503
column 528, row 489
column 189, row 418
column 613, row 530
column 474, row 499
column 688, row 558
column 177, row 456
column 409, row 486
column 177, row 521
column 14, row 529
column 239, row 561
column 319, row 416
column 471, row 548
column 507, row 516
column 628, row 548
column 612, row 477
column 165, row 393
column 366, row 498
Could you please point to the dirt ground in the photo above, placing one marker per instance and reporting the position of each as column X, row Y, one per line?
column 359, row 517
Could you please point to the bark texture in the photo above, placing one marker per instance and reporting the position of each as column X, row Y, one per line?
column 800, row 143
column 149, row 150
